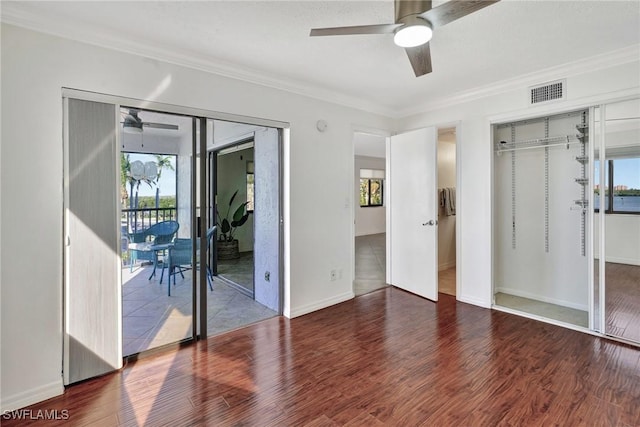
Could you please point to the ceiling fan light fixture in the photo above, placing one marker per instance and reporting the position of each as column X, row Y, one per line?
column 413, row 35
column 132, row 123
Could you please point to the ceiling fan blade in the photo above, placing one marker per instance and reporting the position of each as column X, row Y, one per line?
column 454, row 9
column 420, row 58
column 160, row 126
column 360, row 29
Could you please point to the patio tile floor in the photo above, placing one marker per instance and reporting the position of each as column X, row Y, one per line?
column 151, row 318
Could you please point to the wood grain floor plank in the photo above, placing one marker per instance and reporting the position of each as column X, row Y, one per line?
column 385, row 358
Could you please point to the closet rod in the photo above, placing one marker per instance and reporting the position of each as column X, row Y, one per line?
column 537, row 143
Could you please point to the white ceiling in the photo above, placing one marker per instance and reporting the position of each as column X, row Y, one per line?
column 268, row 41
column 365, row 144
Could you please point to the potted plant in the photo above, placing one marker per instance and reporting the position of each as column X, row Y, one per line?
column 227, row 245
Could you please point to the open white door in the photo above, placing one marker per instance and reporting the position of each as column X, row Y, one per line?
column 412, row 214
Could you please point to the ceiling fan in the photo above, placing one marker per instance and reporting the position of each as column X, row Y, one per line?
column 133, row 123
column 413, row 27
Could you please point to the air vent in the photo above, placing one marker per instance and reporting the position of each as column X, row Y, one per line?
column 547, row 92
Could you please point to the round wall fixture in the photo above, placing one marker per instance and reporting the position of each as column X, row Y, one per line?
column 321, row 125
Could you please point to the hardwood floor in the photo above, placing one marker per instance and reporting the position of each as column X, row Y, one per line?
column 623, row 300
column 385, row 358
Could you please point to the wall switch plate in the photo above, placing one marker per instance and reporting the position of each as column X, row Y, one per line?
column 334, row 275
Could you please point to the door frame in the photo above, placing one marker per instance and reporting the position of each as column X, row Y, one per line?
column 459, row 188
column 203, row 115
column 355, row 203
column 456, row 124
column 212, row 154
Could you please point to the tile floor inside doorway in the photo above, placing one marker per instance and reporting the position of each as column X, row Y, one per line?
column 151, row 318
column 370, row 263
column 370, row 268
column 239, row 271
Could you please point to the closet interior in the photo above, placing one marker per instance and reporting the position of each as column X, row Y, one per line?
column 541, row 217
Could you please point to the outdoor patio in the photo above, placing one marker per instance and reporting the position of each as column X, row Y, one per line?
column 151, row 318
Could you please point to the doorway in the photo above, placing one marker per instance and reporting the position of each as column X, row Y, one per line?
column 235, row 195
column 541, row 216
column 447, row 171
column 369, row 213
column 246, row 189
column 421, row 177
column 116, row 150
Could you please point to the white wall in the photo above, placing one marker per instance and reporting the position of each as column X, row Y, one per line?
column 370, row 220
column 446, row 178
column 623, row 238
column 585, row 86
column 34, row 69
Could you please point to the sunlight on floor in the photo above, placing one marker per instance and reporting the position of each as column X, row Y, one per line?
column 151, row 318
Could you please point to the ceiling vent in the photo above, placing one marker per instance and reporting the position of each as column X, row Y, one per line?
column 547, row 92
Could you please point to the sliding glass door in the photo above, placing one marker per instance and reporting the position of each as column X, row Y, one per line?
column 160, row 177
column 617, row 218
column 141, row 230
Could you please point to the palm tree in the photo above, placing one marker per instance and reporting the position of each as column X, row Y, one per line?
column 163, row 162
column 125, row 176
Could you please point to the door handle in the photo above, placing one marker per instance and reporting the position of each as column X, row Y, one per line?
column 430, row 222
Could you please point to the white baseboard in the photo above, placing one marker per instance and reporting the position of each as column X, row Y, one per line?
column 370, row 233
column 525, row 294
column 474, row 301
column 618, row 260
column 447, row 265
column 318, row 305
column 29, row 397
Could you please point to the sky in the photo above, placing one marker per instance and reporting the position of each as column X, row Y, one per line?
column 627, row 172
column 167, row 181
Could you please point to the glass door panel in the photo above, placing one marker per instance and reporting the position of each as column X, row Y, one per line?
column 622, row 219
column 157, row 228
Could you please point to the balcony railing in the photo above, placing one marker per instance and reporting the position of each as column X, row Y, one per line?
column 142, row 218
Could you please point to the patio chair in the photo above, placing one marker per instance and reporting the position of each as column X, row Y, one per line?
column 141, row 243
column 180, row 260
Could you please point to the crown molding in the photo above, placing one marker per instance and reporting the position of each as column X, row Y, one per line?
column 590, row 64
column 83, row 33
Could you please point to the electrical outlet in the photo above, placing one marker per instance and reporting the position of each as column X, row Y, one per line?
column 267, row 276
column 334, row 275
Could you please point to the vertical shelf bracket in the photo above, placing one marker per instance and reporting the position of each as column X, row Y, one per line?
column 546, row 187
column 584, row 139
column 513, row 189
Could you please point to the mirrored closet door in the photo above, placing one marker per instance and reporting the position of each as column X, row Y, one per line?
column 617, row 218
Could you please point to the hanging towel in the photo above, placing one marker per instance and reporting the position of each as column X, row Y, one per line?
column 449, row 200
